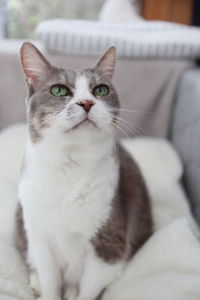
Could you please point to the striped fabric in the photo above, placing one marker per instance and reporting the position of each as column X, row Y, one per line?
column 141, row 39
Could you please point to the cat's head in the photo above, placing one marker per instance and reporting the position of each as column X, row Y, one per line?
column 64, row 100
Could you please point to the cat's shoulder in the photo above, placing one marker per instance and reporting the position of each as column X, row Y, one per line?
column 127, row 161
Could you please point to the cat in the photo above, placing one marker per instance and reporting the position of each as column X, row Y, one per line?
column 83, row 208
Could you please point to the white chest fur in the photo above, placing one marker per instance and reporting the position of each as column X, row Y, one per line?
column 67, row 192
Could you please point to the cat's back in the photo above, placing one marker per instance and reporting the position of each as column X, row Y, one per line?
column 131, row 178
column 134, row 200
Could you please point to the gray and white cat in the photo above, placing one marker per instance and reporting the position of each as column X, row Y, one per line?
column 84, row 210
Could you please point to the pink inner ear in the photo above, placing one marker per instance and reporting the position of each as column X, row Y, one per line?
column 108, row 69
column 35, row 70
column 32, row 80
column 107, row 63
column 34, row 64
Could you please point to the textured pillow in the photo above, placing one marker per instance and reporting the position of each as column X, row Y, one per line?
column 139, row 39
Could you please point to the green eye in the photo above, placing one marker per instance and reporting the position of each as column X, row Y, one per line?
column 60, row 90
column 101, row 90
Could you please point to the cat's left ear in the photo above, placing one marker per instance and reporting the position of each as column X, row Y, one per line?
column 35, row 65
column 106, row 64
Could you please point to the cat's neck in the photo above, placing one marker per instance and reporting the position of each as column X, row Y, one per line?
column 89, row 148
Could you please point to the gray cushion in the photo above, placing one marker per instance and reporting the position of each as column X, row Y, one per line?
column 185, row 134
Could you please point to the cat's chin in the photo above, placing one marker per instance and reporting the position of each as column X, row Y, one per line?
column 87, row 124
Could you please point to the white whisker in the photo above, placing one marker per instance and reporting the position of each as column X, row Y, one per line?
column 130, row 110
column 118, row 126
column 126, row 124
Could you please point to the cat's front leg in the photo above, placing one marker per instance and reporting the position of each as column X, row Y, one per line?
column 98, row 274
column 47, row 270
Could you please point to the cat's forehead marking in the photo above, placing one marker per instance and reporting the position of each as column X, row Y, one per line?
column 82, row 82
column 82, row 87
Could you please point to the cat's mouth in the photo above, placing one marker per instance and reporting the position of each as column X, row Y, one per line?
column 87, row 123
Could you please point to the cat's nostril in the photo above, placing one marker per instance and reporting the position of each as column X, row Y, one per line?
column 86, row 104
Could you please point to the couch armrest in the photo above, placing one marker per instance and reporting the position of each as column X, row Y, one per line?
column 185, row 134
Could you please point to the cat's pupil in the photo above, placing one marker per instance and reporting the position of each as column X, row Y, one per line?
column 101, row 90
column 60, row 91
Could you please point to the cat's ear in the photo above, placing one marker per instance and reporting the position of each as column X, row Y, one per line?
column 35, row 65
column 106, row 64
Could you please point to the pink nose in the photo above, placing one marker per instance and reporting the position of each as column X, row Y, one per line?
column 86, row 104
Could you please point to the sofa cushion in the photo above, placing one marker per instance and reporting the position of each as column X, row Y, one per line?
column 185, row 134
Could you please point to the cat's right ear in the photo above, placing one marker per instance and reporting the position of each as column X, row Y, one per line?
column 106, row 64
column 35, row 65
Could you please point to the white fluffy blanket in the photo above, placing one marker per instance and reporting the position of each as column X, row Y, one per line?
column 167, row 267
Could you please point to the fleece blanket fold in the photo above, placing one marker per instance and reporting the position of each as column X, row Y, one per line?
column 168, row 265
column 165, row 268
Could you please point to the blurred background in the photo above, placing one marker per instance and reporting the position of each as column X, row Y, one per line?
column 19, row 18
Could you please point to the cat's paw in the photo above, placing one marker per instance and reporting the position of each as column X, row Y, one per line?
column 34, row 284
